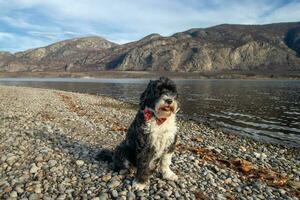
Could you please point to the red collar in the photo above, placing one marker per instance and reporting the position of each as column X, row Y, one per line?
column 148, row 114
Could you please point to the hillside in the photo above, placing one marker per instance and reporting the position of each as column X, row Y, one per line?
column 222, row 47
column 57, row 56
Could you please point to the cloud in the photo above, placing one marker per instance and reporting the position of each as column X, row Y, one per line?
column 19, row 23
column 14, row 42
column 287, row 13
column 4, row 35
column 122, row 22
column 53, row 35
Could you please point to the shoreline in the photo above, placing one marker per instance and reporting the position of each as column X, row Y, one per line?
column 242, row 75
column 49, row 139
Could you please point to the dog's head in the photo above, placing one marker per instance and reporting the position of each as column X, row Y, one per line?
column 161, row 96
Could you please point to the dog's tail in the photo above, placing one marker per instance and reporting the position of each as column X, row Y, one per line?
column 105, row 155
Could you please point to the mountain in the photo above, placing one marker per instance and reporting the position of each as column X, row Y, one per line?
column 57, row 56
column 222, row 47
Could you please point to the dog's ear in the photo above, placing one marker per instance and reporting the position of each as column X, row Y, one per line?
column 146, row 94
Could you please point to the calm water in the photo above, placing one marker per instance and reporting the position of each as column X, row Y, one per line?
column 265, row 110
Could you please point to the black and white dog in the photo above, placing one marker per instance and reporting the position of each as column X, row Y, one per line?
column 151, row 138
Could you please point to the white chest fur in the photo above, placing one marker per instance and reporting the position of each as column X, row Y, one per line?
column 162, row 136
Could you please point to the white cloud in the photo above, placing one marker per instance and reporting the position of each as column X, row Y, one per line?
column 14, row 43
column 288, row 13
column 5, row 35
column 121, row 21
column 52, row 35
column 19, row 23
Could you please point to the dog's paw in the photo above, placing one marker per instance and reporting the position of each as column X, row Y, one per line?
column 171, row 176
column 138, row 186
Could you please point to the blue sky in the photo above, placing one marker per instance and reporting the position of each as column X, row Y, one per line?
column 28, row 24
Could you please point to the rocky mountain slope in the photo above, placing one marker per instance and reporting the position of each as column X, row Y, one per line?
column 222, row 47
column 57, row 56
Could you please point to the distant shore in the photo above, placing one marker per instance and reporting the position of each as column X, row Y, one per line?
column 49, row 139
column 149, row 74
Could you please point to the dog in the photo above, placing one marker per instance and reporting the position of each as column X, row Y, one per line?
column 151, row 138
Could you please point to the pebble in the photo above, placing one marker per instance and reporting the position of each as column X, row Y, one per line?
column 37, row 190
column 106, row 177
column 167, row 193
column 282, row 191
column 13, row 194
column 33, row 169
column 114, row 193
column 52, row 163
column 103, row 196
column 79, row 162
column 11, row 159
column 33, row 197
column 113, row 184
column 61, row 197
column 176, row 194
column 81, row 124
column 228, row 181
column 130, row 196
column 19, row 189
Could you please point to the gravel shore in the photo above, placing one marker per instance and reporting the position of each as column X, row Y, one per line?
column 49, row 140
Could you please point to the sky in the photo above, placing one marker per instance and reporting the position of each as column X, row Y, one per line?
column 28, row 24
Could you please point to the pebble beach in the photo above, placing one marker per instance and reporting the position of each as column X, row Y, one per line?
column 49, row 140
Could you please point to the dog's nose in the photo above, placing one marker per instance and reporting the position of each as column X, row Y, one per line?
column 169, row 101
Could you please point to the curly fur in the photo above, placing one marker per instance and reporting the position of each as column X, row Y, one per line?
column 148, row 145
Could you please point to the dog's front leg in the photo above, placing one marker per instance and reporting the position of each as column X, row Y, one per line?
column 165, row 163
column 142, row 174
column 145, row 167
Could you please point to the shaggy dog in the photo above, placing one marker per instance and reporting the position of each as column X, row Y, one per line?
column 151, row 138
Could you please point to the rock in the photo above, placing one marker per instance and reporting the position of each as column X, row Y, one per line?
column 113, row 184
column 3, row 158
column 11, row 159
column 79, row 162
column 33, row 169
column 221, row 196
column 176, row 194
column 19, row 189
column 57, row 175
column 61, row 197
column 243, row 149
column 167, row 193
column 228, row 181
column 217, row 150
column 257, row 155
column 103, row 196
column 33, row 197
column 106, row 177
column 52, row 163
column 130, row 196
column 210, row 148
column 123, row 193
column 282, row 191
column 13, row 194
column 244, row 47
column 39, row 158
column 38, row 190
column 263, row 156
column 114, row 193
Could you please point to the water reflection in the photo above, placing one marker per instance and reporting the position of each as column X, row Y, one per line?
column 268, row 110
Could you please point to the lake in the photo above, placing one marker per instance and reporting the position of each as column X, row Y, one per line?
column 267, row 110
